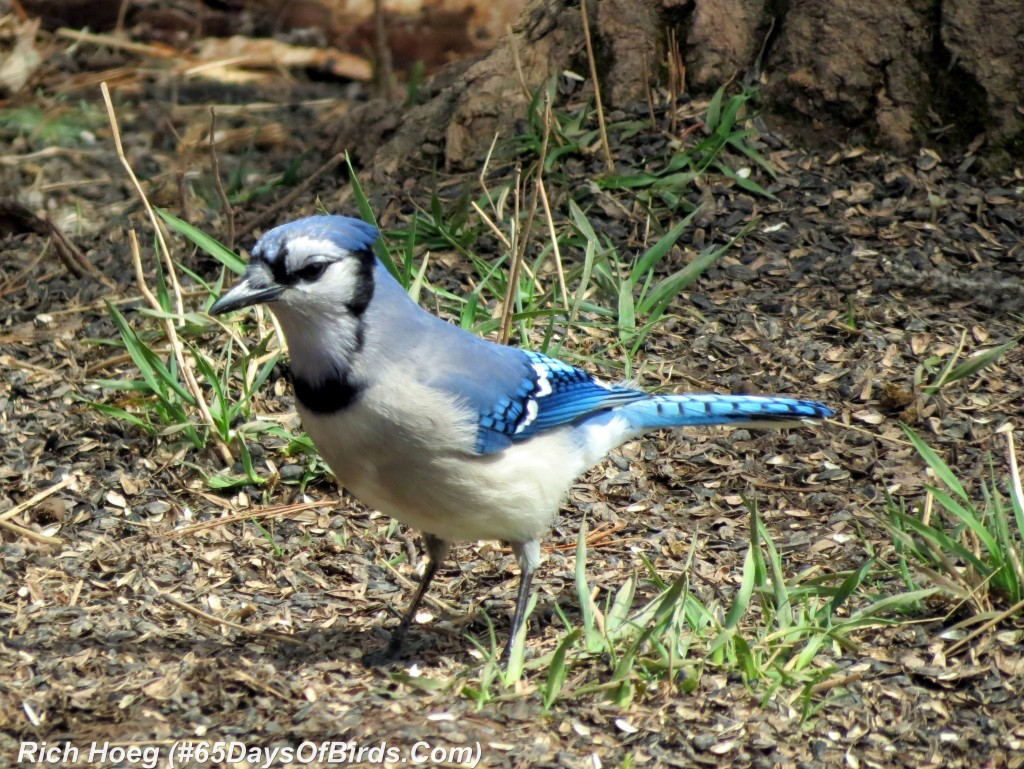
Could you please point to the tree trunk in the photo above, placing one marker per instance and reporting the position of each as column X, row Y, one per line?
column 902, row 73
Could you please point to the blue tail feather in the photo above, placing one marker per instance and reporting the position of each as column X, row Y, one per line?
column 694, row 410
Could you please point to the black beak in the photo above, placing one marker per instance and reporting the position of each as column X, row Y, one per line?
column 255, row 288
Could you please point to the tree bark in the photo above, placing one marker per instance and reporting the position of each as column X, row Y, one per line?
column 902, row 74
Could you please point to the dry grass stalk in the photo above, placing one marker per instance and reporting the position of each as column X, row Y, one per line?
column 1018, row 493
column 278, row 511
column 676, row 77
column 169, row 328
column 184, row 363
column 483, row 185
column 555, row 249
column 35, row 536
column 508, row 304
column 21, row 507
column 213, row 620
column 35, row 499
column 229, row 211
column 165, row 252
column 491, row 225
column 984, row 628
column 597, row 88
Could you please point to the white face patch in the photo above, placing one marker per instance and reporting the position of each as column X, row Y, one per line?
column 338, row 285
column 302, row 247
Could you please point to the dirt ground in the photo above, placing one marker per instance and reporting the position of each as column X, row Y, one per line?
column 864, row 268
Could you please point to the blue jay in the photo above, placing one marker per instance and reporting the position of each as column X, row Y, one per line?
column 453, row 435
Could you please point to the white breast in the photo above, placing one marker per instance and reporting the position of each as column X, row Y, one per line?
column 413, row 464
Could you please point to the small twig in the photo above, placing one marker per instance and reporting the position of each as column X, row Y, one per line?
column 22, row 365
column 35, row 499
column 275, row 512
column 17, row 159
column 70, row 254
column 32, row 501
column 832, row 683
column 229, row 210
column 554, row 243
column 21, row 531
column 597, row 88
column 102, row 365
column 494, row 228
column 601, row 535
column 598, row 537
column 118, row 43
column 512, row 40
column 165, row 252
column 986, row 627
column 291, row 197
column 214, row 620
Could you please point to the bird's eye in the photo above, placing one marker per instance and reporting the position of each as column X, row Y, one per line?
column 311, row 272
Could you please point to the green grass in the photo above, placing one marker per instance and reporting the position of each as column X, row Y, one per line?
column 725, row 145
column 63, row 124
column 944, row 373
column 782, row 630
column 968, row 544
column 603, row 285
column 160, row 401
column 635, row 292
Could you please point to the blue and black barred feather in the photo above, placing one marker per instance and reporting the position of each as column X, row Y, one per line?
column 552, row 393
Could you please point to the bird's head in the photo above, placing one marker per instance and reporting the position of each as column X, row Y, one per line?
column 316, row 264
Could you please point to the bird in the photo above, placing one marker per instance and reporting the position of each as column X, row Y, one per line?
column 459, row 437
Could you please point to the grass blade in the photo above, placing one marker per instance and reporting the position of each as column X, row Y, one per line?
column 971, row 366
column 366, row 213
column 935, row 462
column 225, row 256
column 660, row 250
column 558, row 670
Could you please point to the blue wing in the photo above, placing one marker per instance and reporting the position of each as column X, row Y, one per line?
column 549, row 393
column 513, row 395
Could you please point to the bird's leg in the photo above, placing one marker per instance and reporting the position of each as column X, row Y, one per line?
column 437, row 550
column 528, row 556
